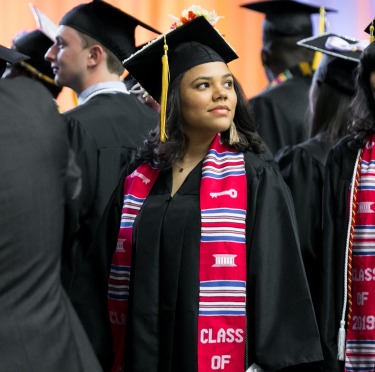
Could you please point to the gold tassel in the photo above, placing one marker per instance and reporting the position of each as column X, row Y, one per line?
column 372, row 38
column 164, row 92
column 233, row 134
column 322, row 30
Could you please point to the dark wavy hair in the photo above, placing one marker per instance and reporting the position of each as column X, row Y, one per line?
column 331, row 112
column 363, row 103
column 164, row 154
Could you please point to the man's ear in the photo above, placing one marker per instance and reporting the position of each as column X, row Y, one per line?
column 96, row 55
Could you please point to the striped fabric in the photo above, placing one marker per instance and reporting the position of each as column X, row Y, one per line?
column 222, row 291
column 223, row 225
column 222, row 271
column 118, row 285
column 360, row 356
column 360, row 343
column 219, row 297
column 367, row 180
column 136, row 189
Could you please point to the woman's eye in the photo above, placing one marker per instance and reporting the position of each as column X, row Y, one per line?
column 202, row 85
column 229, row 83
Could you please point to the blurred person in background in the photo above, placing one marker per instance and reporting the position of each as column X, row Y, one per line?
column 282, row 109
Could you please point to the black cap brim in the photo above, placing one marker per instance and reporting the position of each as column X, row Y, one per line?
column 319, row 44
column 11, row 55
column 106, row 24
column 8, row 55
column 283, row 7
column 367, row 29
column 146, row 66
column 286, row 18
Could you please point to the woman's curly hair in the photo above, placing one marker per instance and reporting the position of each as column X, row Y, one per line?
column 363, row 104
column 164, row 154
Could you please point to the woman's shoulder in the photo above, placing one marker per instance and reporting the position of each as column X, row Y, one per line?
column 256, row 164
column 343, row 151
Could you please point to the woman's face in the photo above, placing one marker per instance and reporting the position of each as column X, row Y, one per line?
column 208, row 99
column 372, row 83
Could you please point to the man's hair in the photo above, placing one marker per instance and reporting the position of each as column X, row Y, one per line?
column 113, row 63
column 285, row 52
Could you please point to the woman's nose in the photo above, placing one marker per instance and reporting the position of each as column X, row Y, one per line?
column 220, row 93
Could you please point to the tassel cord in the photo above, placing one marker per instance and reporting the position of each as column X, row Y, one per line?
column 164, row 92
column 349, row 243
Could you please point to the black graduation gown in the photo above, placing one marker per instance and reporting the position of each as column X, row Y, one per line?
column 302, row 167
column 164, row 286
column 39, row 329
column 281, row 112
column 339, row 171
column 104, row 133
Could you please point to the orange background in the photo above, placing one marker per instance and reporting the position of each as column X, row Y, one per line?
column 241, row 27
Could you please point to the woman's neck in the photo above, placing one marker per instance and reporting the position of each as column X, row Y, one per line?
column 196, row 151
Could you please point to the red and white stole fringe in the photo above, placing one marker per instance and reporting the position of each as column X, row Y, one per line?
column 360, row 341
column 222, row 295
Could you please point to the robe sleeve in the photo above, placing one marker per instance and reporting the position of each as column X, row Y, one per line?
column 282, row 326
column 304, row 175
column 95, row 269
column 86, row 154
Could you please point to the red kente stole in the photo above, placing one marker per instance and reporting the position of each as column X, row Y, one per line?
column 360, row 264
column 222, row 294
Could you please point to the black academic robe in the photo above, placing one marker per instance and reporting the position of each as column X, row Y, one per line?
column 104, row 133
column 302, row 167
column 163, row 313
column 339, row 172
column 39, row 329
column 281, row 112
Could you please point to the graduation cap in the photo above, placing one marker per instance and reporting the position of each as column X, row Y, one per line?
column 11, row 56
column 35, row 45
column 46, row 25
column 336, row 45
column 107, row 24
column 194, row 43
column 286, row 17
column 370, row 29
column 341, row 57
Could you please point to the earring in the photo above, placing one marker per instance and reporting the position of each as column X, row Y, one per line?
column 233, row 134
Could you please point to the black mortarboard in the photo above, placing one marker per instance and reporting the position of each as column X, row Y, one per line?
column 107, row 24
column 370, row 30
column 367, row 29
column 341, row 56
column 35, row 45
column 189, row 45
column 8, row 55
column 336, row 45
column 194, row 43
column 286, row 17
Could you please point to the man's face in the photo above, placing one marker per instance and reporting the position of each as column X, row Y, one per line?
column 68, row 59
